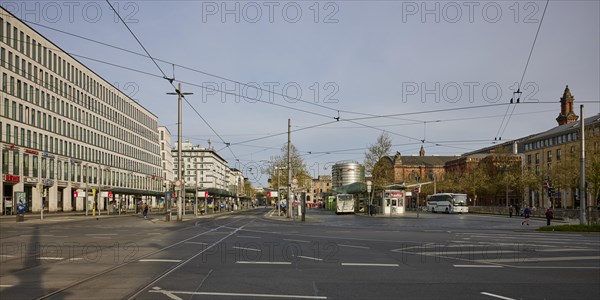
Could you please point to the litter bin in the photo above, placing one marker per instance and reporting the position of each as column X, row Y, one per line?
column 20, row 217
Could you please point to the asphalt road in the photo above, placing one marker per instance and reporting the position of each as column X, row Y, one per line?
column 256, row 254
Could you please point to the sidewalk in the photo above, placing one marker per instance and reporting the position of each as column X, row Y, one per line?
column 158, row 216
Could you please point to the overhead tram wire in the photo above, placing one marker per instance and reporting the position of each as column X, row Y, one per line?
column 208, row 74
column 526, row 66
column 360, row 118
column 170, row 80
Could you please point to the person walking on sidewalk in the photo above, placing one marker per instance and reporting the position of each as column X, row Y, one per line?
column 526, row 215
column 549, row 215
column 145, row 210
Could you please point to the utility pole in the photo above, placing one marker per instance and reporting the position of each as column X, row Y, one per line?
column 289, row 167
column 582, row 191
column 179, row 160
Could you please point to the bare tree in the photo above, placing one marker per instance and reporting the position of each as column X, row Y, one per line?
column 376, row 151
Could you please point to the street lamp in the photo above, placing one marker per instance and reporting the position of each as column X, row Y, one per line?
column 369, row 183
column 179, row 160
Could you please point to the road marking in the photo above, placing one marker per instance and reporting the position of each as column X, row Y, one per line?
column 496, row 296
column 466, row 251
column 538, row 259
column 312, row 258
column 37, row 235
column 196, row 243
column 477, row 266
column 6, row 285
column 75, row 258
column 370, row 265
column 264, row 262
column 249, row 249
column 100, row 234
column 160, row 260
column 6, row 255
column 565, row 250
column 50, row 258
column 248, row 237
column 352, row 246
column 172, row 294
column 299, row 241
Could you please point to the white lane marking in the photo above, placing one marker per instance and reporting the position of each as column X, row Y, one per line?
column 477, row 266
column 352, row 246
column 248, row 237
column 37, row 235
column 171, row 294
column 249, row 249
column 370, row 265
column 6, row 285
column 565, row 250
column 496, row 296
column 312, row 258
column 538, row 259
column 160, row 260
column 99, row 234
column 299, row 241
column 75, row 258
column 6, row 255
column 50, row 258
column 196, row 243
column 264, row 262
column 466, row 251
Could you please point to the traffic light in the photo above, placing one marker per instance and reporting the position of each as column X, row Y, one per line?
column 550, row 192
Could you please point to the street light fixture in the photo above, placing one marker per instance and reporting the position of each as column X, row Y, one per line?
column 179, row 160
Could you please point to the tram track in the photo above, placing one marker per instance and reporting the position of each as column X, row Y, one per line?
column 218, row 226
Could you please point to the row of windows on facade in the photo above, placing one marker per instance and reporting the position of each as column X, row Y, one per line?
column 561, row 139
column 59, row 107
column 21, row 42
column 44, row 168
column 43, row 142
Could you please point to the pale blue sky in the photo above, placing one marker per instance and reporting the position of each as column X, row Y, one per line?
column 367, row 60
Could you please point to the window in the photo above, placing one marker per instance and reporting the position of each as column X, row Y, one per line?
column 558, row 154
column 549, row 156
column 35, row 166
column 25, row 164
column 5, row 161
column 44, row 170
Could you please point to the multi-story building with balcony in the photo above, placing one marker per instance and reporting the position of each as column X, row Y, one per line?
column 65, row 130
column 202, row 167
column 166, row 157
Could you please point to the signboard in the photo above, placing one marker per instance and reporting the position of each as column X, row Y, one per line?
column 396, row 194
column 202, row 194
column 273, row 194
column 78, row 194
column 21, row 202
column 12, row 178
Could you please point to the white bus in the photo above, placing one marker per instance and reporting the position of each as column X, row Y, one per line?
column 344, row 203
column 447, row 203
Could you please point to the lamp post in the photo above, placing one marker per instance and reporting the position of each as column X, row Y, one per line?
column 179, row 160
column 369, row 183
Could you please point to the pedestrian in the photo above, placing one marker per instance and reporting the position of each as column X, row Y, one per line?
column 510, row 211
column 145, row 210
column 549, row 215
column 526, row 215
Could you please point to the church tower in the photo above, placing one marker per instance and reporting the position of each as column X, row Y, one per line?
column 566, row 115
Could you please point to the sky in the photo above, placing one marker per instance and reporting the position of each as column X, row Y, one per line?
column 429, row 73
